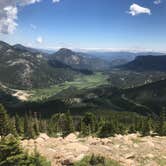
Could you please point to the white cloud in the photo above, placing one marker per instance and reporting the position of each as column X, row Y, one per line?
column 157, row 2
column 9, row 11
column 8, row 14
column 136, row 9
column 55, row 1
column 7, row 19
column 39, row 40
column 27, row 2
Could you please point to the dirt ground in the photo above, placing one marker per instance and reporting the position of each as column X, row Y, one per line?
column 128, row 150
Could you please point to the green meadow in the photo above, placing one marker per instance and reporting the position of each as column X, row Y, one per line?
column 80, row 82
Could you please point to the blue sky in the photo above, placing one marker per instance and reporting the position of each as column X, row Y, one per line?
column 89, row 24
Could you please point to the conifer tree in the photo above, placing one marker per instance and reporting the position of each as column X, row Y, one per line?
column 69, row 123
column 10, row 152
column 138, row 124
column 12, row 155
column 107, row 130
column 122, row 129
column 43, row 126
column 145, row 127
column 36, row 124
column 66, row 124
column 89, row 121
column 54, row 125
column 28, row 127
column 13, row 126
column 4, row 122
column 132, row 129
column 161, row 124
column 85, row 129
column 19, row 125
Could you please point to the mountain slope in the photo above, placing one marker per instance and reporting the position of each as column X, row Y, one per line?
column 79, row 60
column 22, row 69
column 33, row 50
column 152, row 95
column 117, row 58
column 23, row 48
column 147, row 63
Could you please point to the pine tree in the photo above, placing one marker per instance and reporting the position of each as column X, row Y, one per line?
column 107, row 130
column 138, row 124
column 13, row 126
column 28, row 127
column 36, row 124
column 122, row 129
column 69, row 123
column 145, row 127
column 4, row 122
column 12, row 155
column 89, row 121
column 161, row 129
column 132, row 129
column 43, row 126
column 19, row 125
column 10, row 152
column 85, row 129
column 66, row 124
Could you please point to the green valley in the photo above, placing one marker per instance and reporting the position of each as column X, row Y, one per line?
column 80, row 82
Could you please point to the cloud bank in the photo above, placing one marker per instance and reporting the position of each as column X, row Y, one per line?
column 9, row 11
column 136, row 9
column 8, row 15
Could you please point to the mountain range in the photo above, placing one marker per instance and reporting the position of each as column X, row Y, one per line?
column 22, row 69
column 147, row 63
column 26, row 68
column 117, row 58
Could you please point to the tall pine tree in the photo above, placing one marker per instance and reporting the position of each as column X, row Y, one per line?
column 161, row 124
column 4, row 122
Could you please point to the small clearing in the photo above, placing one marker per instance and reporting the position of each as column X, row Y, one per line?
column 21, row 95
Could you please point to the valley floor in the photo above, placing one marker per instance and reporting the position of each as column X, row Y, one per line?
column 128, row 150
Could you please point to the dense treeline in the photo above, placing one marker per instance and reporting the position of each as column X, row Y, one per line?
column 61, row 124
column 97, row 124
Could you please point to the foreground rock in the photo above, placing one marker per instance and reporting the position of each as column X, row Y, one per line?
column 130, row 150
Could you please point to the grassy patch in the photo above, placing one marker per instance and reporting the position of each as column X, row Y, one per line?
column 96, row 161
column 80, row 82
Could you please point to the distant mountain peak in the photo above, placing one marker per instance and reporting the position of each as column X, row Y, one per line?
column 65, row 51
column 78, row 60
column 18, row 45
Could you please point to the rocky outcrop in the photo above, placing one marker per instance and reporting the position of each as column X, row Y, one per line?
column 128, row 150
